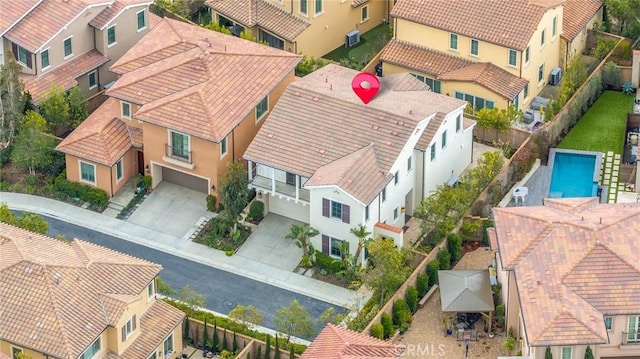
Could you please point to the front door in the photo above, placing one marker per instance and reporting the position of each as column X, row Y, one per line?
column 141, row 163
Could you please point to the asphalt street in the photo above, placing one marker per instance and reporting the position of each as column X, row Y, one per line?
column 222, row 290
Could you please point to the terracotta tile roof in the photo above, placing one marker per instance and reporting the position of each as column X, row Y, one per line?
column 47, row 19
column 307, row 129
column 573, row 264
column 335, row 342
column 261, row 13
column 445, row 67
column 510, row 23
column 430, row 131
column 388, row 227
column 102, row 137
column 63, row 76
column 345, row 173
column 12, row 11
column 576, row 15
column 111, row 12
column 198, row 81
column 356, row 3
column 51, row 292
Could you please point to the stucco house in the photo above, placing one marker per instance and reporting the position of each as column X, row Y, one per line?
column 79, row 300
column 490, row 58
column 70, row 43
column 309, row 27
column 325, row 158
column 570, row 277
column 188, row 101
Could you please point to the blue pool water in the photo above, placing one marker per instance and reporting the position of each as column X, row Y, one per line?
column 572, row 175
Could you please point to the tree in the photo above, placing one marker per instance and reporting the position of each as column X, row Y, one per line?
column 259, row 351
column 387, row 325
column 55, row 109
column 422, row 284
column 186, row 333
column 377, row 331
column 34, row 223
column 267, row 348
column 432, row 272
column 215, row 341
column 12, row 100
column 248, row 314
column 626, row 14
column 77, row 107
column 411, row 297
column 454, row 245
column 444, row 258
column 6, row 216
column 611, row 75
column 205, row 334
column 331, row 316
column 302, row 233
column 547, row 353
column 588, row 353
column 387, row 268
column 234, row 343
column 363, row 239
column 164, row 288
column 215, row 26
column 233, row 192
column 308, row 65
column 33, row 148
column 225, row 344
column 276, row 349
column 294, row 320
column 191, row 298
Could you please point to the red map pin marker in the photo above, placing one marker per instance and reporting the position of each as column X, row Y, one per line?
column 366, row 86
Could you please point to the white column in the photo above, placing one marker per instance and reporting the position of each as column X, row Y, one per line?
column 297, row 187
column 273, row 180
column 250, row 171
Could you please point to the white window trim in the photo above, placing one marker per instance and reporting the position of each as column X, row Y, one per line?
column 122, row 103
column 528, row 91
column 605, row 321
column 570, row 352
column 367, row 216
column 331, row 239
column 315, row 12
column 95, row 183
column 305, row 14
column 18, row 56
column 509, row 58
column 11, row 347
column 396, row 214
column 540, row 80
column 121, row 162
column 153, row 290
column 471, row 47
column 116, row 37
column 129, row 324
column 145, row 21
column 265, row 112
column 383, row 194
column 444, row 138
column 368, row 17
column 457, row 39
column 409, row 164
column 170, row 139
column 48, row 66
column 553, row 36
column 543, row 37
column 95, row 73
column 172, row 344
column 226, row 152
column 527, row 60
column 396, row 178
column 65, row 40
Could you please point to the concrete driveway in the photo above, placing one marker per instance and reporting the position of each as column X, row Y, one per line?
column 267, row 243
column 171, row 209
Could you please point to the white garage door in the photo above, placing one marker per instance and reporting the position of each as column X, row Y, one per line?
column 185, row 180
column 289, row 209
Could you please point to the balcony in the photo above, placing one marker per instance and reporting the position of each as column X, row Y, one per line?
column 630, row 338
column 178, row 153
column 283, row 189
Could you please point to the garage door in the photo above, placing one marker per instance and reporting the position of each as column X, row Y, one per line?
column 185, row 180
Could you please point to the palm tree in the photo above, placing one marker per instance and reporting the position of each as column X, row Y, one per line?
column 302, row 233
column 363, row 238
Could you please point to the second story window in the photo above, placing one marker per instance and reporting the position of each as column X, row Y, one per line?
column 541, row 73
column 126, row 110
column 129, row 327
column 608, row 323
column 526, row 55
column 180, row 145
column 458, row 123
column 68, row 49
column 513, row 57
column 366, row 213
column 93, row 82
column 554, row 27
column 223, row 147
column 141, row 20
column 22, row 55
column 364, row 14
column 111, row 35
column 384, row 194
column 303, row 6
column 92, row 350
column 396, row 178
column 475, row 47
column 542, row 35
column 318, row 6
column 262, row 108
column 453, row 41
column 409, row 163
column 444, row 139
column 336, row 210
column 44, row 58
column 150, row 291
column 433, row 152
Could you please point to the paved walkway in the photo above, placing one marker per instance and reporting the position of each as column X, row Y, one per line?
column 183, row 248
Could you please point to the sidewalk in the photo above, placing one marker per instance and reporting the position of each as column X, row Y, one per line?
column 177, row 246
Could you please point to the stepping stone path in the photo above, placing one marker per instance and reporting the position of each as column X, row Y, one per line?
column 610, row 175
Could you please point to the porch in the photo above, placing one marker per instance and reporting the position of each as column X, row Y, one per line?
column 274, row 187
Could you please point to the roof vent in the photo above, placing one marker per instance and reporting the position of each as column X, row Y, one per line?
column 28, row 270
column 374, row 127
column 56, row 278
column 33, row 336
column 380, row 117
column 411, row 112
column 400, row 123
column 297, row 93
column 322, row 151
column 270, row 135
column 315, row 98
column 395, row 133
column 388, row 143
column 139, row 93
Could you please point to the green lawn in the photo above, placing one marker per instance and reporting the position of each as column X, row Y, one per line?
column 603, row 127
column 370, row 44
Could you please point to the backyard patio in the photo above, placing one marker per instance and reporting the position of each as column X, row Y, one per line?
column 370, row 44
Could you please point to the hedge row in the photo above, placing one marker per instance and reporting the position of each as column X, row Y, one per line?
column 74, row 190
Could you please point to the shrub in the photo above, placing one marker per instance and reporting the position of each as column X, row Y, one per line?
column 364, row 317
column 444, row 258
column 146, row 182
column 377, row 331
column 256, row 211
column 500, row 314
column 432, row 272
column 509, row 345
column 387, row 325
column 422, row 284
column 211, row 202
column 400, row 312
column 327, row 263
column 95, row 196
column 411, row 297
column 454, row 244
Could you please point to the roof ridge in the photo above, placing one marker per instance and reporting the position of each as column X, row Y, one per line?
column 174, row 96
column 622, row 218
column 535, row 242
column 470, row 62
column 207, row 109
column 614, row 253
column 65, row 340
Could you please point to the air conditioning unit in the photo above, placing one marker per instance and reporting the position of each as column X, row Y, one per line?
column 353, row 38
column 555, row 76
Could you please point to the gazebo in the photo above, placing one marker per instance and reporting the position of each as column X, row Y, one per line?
column 466, row 291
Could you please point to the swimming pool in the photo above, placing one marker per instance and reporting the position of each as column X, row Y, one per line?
column 574, row 173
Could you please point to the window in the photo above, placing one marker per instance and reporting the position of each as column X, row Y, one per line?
column 444, row 139
column 633, row 332
column 566, row 353
column 119, row 170
column 68, row 49
column 453, row 41
column 337, row 246
column 223, row 147
column 92, row 350
column 93, row 83
column 384, row 194
column 554, row 27
column 396, row 178
column 168, row 345
column 129, row 327
column 434, row 85
column 180, row 145
column 395, row 214
column 262, row 108
column 44, row 58
column 526, row 55
column 477, row 102
column 608, row 323
column 15, row 352
column 22, row 55
column 153, row 356
column 318, row 6
column 433, row 152
column 271, row 40
column 87, row 172
column 474, row 47
column 541, row 73
column 336, row 210
column 303, row 6
column 126, row 110
column 141, row 20
column 526, row 90
column 150, row 290
column 513, row 57
column 364, row 13
column 459, row 123
column 542, row 38
column 291, row 179
column 409, row 163
column 366, row 213
column 111, row 35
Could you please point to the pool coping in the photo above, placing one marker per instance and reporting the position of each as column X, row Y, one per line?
column 597, row 171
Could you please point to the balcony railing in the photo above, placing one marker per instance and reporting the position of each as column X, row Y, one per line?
column 631, row 338
column 261, row 182
column 178, row 153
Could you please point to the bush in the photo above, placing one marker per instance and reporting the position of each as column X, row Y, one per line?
column 146, row 182
column 377, row 331
column 328, row 263
column 364, row 317
column 5, row 155
column 422, row 284
column 256, row 211
column 387, row 325
column 211, row 202
column 500, row 315
column 411, row 297
column 444, row 258
column 400, row 313
column 432, row 272
column 454, row 244
column 74, row 190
